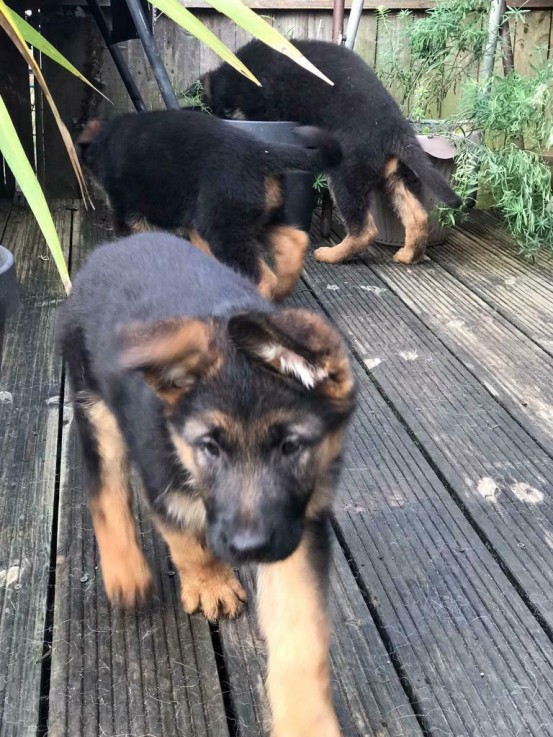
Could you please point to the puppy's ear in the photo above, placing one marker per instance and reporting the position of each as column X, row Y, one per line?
column 172, row 354
column 298, row 344
column 90, row 131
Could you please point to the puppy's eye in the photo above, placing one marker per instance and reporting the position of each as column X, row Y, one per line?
column 209, row 447
column 289, row 446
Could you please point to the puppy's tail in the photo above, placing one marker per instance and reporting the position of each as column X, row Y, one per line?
column 320, row 152
column 85, row 138
column 413, row 156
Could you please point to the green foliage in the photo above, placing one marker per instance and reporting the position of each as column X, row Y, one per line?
column 512, row 115
column 320, row 183
column 193, row 97
column 441, row 47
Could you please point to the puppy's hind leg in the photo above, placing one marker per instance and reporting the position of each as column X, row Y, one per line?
column 126, row 574
column 288, row 246
column 410, row 211
column 352, row 195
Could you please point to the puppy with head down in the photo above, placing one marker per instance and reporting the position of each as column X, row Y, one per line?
column 180, row 169
column 379, row 145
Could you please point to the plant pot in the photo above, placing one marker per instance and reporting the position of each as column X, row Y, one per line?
column 390, row 229
column 299, row 196
column 9, row 294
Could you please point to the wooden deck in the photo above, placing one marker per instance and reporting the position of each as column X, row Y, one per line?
column 442, row 589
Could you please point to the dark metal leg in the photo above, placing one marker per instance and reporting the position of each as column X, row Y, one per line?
column 117, row 56
column 152, row 52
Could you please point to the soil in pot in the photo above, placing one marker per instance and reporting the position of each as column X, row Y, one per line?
column 299, row 196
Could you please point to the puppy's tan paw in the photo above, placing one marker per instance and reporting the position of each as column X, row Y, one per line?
column 408, row 256
column 328, row 255
column 215, row 591
column 128, row 580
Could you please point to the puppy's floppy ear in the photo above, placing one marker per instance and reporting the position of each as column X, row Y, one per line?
column 299, row 344
column 172, row 353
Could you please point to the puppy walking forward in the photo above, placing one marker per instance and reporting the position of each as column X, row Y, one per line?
column 180, row 169
column 233, row 412
column 379, row 145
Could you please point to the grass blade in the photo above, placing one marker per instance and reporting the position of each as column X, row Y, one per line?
column 17, row 160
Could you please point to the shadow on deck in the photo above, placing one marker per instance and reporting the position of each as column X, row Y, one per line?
column 442, row 588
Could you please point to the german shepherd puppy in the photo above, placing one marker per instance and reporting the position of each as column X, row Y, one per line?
column 181, row 169
column 380, row 147
column 233, row 413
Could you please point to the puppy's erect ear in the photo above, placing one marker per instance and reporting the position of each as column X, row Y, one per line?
column 298, row 344
column 173, row 354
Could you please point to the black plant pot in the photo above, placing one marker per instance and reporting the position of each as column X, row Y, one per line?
column 299, row 196
column 9, row 294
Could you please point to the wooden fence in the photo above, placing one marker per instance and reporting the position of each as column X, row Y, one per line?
column 72, row 30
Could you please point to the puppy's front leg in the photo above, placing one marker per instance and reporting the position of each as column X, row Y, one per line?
column 207, row 584
column 293, row 619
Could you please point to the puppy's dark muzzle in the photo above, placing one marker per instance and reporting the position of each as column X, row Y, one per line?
column 245, row 544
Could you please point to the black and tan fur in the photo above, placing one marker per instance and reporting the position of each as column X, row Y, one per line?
column 175, row 170
column 379, row 145
column 233, row 412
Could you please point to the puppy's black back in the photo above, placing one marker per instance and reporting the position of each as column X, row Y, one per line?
column 146, row 278
column 358, row 109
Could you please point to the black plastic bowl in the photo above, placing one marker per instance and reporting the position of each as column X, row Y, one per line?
column 299, row 196
column 9, row 293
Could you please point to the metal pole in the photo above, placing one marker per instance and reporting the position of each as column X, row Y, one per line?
column 353, row 23
column 338, row 21
column 497, row 12
column 117, row 56
column 152, row 52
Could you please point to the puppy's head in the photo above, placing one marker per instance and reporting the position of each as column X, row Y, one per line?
column 85, row 138
column 232, row 96
column 256, row 408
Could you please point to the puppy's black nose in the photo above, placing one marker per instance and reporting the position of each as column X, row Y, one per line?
column 248, row 544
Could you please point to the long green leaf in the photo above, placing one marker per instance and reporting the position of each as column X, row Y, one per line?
column 174, row 10
column 37, row 40
column 17, row 160
column 247, row 19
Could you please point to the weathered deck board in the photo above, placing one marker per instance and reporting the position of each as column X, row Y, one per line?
column 29, row 419
column 449, row 612
column 481, row 257
column 516, row 371
column 500, row 473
